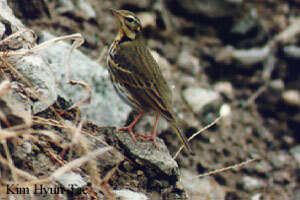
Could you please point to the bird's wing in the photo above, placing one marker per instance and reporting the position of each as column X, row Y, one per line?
column 139, row 73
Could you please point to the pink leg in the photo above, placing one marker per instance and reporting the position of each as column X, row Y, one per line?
column 153, row 136
column 129, row 128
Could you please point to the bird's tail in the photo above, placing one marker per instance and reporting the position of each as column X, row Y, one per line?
column 182, row 137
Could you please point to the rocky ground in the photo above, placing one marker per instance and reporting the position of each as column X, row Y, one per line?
column 241, row 55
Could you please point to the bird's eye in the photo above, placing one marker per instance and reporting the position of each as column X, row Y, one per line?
column 130, row 19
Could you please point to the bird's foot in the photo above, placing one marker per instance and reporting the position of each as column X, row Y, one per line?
column 148, row 138
column 129, row 129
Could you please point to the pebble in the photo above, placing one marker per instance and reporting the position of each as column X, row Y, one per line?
column 202, row 188
column 295, row 151
column 71, row 180
column 251, row 183
column 198, row 97
column 225, row 88
column 292, row 97
column 126, row 194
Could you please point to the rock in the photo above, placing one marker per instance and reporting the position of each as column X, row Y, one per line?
column 251, row 183
column 295, row 151
column 280, row 159
column 38, row 73
column 209, row 8
column 256, row 196
column 158, row 161
column 292, row 51
column 64, row 6
column 87, row 9
column 2, row 30
column 148, row 19
column 225, row 88
column 247, row 57
column 277, row 84
column 251, row 56
column 203, row 188
column 262, row 167
column 71, row 181
column 244, row 26
column 106, row 108
column 291, row 97
column 189, row 62
column 14, row 111
column 126, row 194
column 198, row 97
column 14, row 25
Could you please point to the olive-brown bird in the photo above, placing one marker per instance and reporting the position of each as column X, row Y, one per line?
column 137, row 78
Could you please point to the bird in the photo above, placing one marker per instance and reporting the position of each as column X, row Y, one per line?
column 137, row 79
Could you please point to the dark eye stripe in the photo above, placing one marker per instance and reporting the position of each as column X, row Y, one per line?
column 129, row 19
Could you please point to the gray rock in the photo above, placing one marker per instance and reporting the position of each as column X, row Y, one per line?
column 106, row 108
column 148, row 155
column 252, row 56
column 263, row 166
column 277, row 84
column 198, row 97
column 256, row 196
column 2, row 30
column 225, row 88
column 280, row 159
column 14, row 109
column 291, row 97
column 295, row 151
column 189, row 62
column 126, row 194
column 292, row 51
column 65, row 6
column 202, row 188
column 244, row 26
column 38, row 73
column 71, row 180
column 15, row 25
column 89, row 12
column 251, row 183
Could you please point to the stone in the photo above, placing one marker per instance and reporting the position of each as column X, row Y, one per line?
column 126, row 194
column 252, row 56
column 148, row 155
column 201, row 188
column 87, row 9
column 295, row 151
column 106, row 108
column 292, row 51
column 224, row 87
column 71, row 180
column 198, row 97
column 277, row 84
column 2, row 30
column 256, row 196
column 189, row 62
column 251, row 183
column 148, row 19
column 291, row 97
column 38, row 73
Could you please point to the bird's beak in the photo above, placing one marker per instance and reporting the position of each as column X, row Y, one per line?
column 116, row 13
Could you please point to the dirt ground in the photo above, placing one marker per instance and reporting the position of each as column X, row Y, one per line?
column 262, row 124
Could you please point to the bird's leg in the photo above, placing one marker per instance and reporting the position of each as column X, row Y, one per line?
column 153, row 136
column 129, row 128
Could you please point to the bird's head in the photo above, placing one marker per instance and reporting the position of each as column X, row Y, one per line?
column 129, row 23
